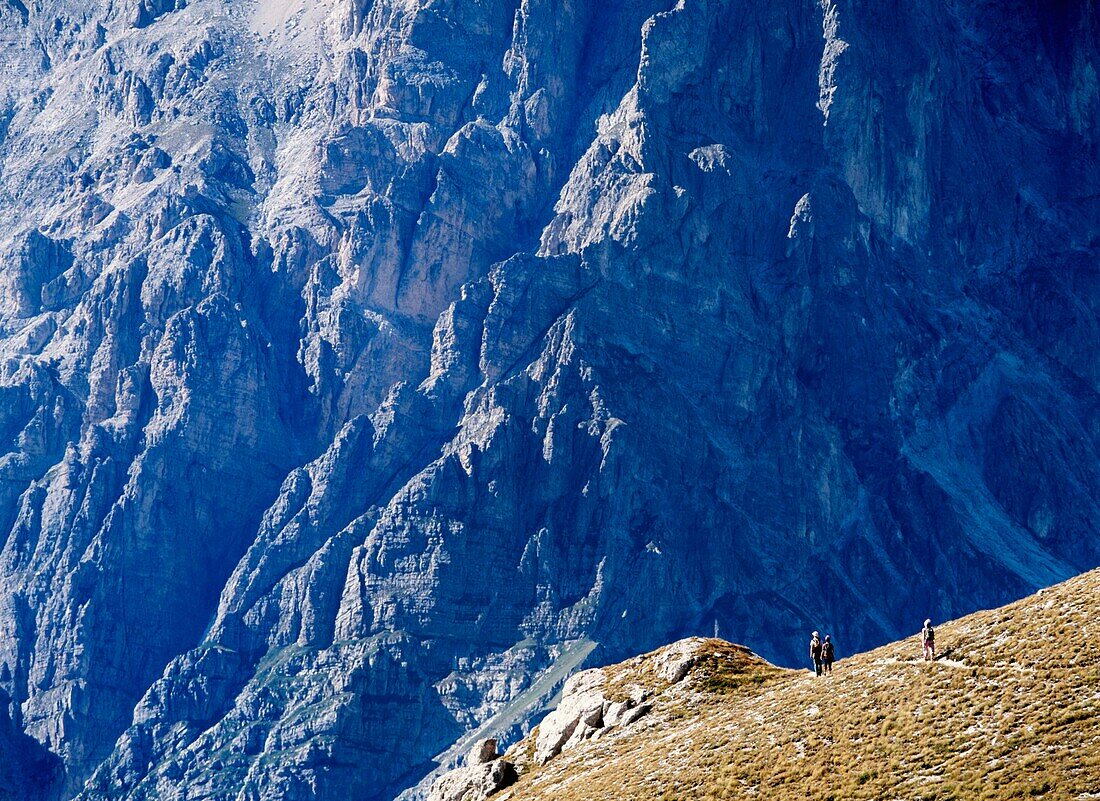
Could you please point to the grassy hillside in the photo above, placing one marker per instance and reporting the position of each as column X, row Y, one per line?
column 1011, row 709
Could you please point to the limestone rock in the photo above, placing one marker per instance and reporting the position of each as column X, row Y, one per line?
column 576, row 717
column 475, row 782
column 28, row 772
column 483, row 752
column 369, row 368
column 589, row 708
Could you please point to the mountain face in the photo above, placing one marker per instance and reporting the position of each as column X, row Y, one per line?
column 1008, row 709
column 367, row 366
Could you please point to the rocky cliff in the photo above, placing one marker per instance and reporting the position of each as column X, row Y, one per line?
column 367, row 366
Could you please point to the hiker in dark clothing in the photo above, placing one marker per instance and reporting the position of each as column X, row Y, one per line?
column 815, row 652
column 827, row 654
column 928, row 637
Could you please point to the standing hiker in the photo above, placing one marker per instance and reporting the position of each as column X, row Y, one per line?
column 827, row 654
column 928, row 637
column 815, row 652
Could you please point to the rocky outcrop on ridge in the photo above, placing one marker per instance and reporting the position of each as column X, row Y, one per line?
column 597, row 703
column 606, row 702
column 366, row 368
column 485, row 773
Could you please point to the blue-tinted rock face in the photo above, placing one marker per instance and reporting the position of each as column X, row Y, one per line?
column 368, row 367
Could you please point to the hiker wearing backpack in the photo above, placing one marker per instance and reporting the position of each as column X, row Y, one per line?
column 928, row 637
column 815, row 652
column 827, row 654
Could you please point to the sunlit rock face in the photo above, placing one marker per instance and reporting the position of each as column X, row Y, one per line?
column 369, row 366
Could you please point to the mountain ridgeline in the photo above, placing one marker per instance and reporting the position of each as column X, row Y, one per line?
column 1009, row 709
column 369, row 366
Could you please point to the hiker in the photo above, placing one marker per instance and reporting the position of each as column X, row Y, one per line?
column 928, row 636
column 827, row 654
column 815, row 652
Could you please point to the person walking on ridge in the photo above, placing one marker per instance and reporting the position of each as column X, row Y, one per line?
column 928, row 637
column 827, row 654
column 815, row 652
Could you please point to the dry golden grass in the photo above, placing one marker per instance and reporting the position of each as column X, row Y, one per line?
column 720, row 666
column 1010, row 710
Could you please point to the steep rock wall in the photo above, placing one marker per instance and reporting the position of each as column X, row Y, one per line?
column 365, row 364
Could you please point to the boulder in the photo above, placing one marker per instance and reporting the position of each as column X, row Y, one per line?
column 483, row 752
column 474, row 782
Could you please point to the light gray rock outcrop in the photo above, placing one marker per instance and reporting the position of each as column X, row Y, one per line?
column 484, row 774
column 474, row 783
column 588, row 708
column 578, row 715
column 483, row 752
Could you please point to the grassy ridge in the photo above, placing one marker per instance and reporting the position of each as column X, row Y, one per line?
column 1010, row 710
